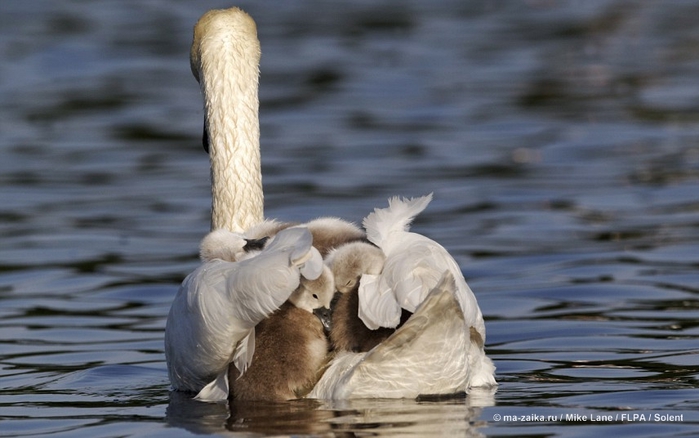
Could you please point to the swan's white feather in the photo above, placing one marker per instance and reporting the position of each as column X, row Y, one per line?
column 219, row 304
column 414, row 262
column 242, row 355
column 379, row 307
column 216, row 390
column 384, row 222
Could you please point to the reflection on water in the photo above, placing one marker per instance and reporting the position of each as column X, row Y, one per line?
column 455, row 417
column 560, row 140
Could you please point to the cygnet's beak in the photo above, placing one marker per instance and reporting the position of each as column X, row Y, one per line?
column 325, row 316
column 255, row 244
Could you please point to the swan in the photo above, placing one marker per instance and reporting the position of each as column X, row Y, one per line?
column 226, row 245
column 348, row 332
column 290, row 346
column 210, row 325
column 350, row 261
column 332, row 232
column 213, row 315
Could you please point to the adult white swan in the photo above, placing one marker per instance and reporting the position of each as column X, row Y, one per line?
column 225, row 58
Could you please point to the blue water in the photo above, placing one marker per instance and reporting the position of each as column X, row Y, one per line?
column 560, row 139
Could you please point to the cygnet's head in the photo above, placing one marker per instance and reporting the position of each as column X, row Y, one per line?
column 350, row 261
column 315, row 296
column 229, row 246
column 222, row 244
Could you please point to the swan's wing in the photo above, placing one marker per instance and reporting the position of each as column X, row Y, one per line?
column 480, row 368
column 220, row 302
column 415, row 271
column 215, row 391
column 200, row 333
column 427, row 355
column 411, row 271
column 377, row 307
column 262, row 283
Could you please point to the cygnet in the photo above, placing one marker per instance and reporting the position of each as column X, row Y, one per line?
column 348, row 263
column 290, row 346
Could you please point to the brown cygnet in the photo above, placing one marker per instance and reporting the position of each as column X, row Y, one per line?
column 290, row 347
column 348, row 263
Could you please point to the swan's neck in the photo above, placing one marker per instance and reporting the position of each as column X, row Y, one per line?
column 227, row 62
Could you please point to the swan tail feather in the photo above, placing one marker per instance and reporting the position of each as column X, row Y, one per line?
column 397, row 217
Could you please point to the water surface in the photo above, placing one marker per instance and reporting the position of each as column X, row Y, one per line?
column 560, row 139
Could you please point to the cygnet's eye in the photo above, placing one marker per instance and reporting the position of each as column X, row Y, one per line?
column 349, row 283
column 315, row 296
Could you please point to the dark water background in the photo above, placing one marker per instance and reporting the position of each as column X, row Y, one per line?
column 561, row 140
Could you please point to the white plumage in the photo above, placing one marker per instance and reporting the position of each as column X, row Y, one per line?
column 212, row 319
column 440, row 348
column 414, row 263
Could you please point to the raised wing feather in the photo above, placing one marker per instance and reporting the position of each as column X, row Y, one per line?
column 377, row 307
column 261, row 284
column 312, row 267
column 411, row 273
